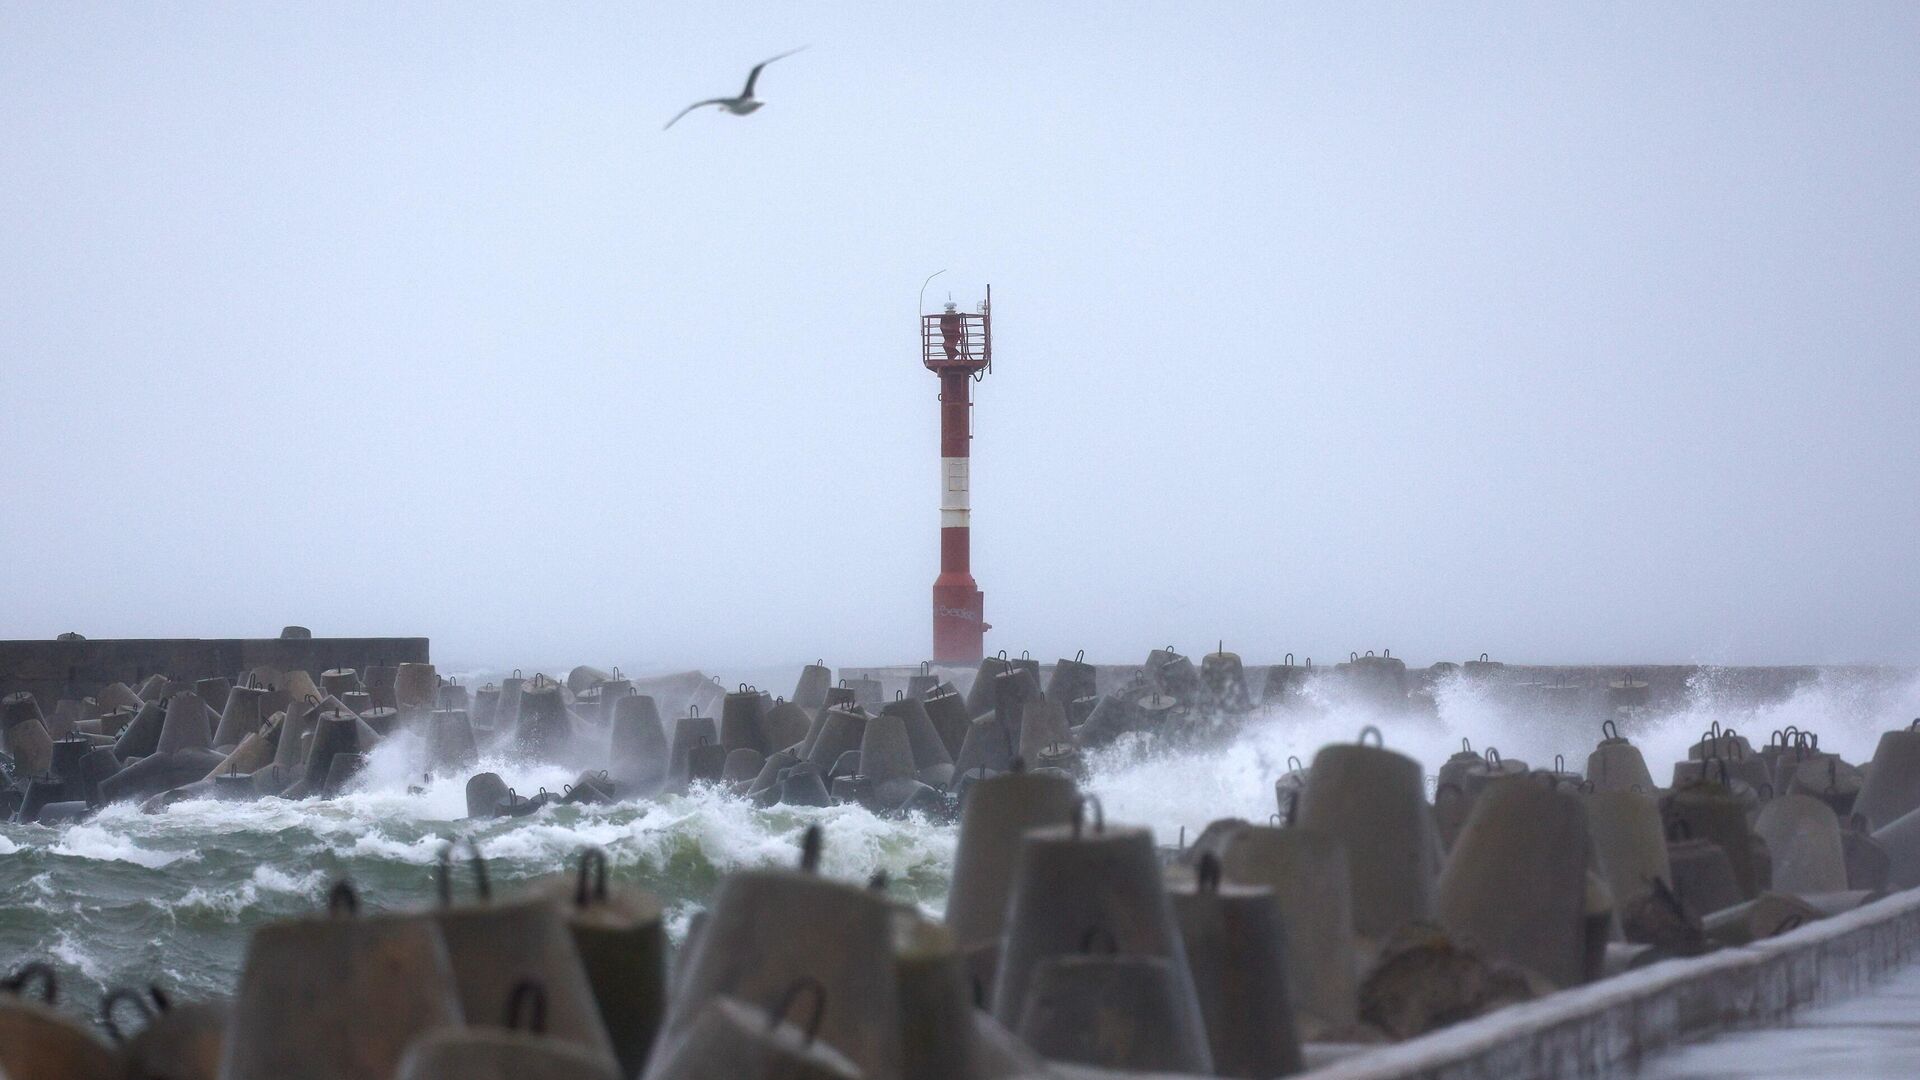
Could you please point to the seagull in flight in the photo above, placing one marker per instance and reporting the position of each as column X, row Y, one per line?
column 738, row 106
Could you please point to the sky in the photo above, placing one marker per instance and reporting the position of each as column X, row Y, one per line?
column 1563, row 332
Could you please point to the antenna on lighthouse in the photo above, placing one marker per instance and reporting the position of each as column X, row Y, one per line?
column 957, row 346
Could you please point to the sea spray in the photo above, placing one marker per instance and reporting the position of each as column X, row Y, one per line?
column 128, row 897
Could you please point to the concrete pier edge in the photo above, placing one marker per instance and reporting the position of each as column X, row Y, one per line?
column 1603, row 1028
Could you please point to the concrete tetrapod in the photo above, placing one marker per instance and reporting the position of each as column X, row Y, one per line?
column 623, row 947
column 1070, row 879
column 980, row 696
column 1225, row 679
column 337, row 996
column 1803, row 838
column 1126, row 1013
column 1900, row 839
column 1630, row 842
column 1709, row 811
column 768, row 931
column 1236, row 950
column 731, row 1040
column 937, row 1036
column 241, row 717
column 544, row 730
column 1524, row 839
column 415, row 686
column 810, row 692
column 1617, row 765
column 740, row 722
column 786, row 726
column 1072, row 679
column 996, row 813
column 840, row 731
column 493, row 947
column 638, row 749
column 948, row 711
column 176, row 1042
column 1892, row 786
column 1374, row 801
column 1043, row 723
column 37, row 1042
column 1312, row 886
column 495, row 1054
column 689, row 732
column 988, row 745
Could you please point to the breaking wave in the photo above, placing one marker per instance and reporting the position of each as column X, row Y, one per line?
column 132, row 897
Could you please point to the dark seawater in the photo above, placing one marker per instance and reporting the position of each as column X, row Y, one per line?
column 170, row 897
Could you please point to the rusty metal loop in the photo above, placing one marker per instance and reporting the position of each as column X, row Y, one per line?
column 810, row 842
column 1492, row 754
column 1080, row 657
column 343, row 899
column 443, row 867
column 785, row 1003
column 1080, row 813
column 527, row 1007
column 592, row 861
column 122, row 995
column 16, row 983
column 1379, row 740
column 1609, row 730
column 1206, row 874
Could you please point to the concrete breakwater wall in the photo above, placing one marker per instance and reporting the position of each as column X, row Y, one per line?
column 1602, row 1029
column 76, row 668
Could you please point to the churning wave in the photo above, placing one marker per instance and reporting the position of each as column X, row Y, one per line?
column 129, row 897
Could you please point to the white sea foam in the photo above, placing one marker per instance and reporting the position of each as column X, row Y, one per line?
column 104, row 839
column 1189, row 788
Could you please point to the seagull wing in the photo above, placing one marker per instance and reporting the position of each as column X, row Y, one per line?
column 698, row 105
column 754, row 75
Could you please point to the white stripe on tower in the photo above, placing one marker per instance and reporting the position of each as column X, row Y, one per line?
column 953, row 492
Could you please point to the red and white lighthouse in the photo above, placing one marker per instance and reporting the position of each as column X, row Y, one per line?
column 957, row 346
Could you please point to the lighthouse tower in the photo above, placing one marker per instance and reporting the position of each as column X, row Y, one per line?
column 957, row 346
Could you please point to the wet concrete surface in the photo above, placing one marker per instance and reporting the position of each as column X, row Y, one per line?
column 1873, row 1036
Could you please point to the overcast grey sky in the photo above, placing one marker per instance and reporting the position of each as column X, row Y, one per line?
column 1561, row 332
